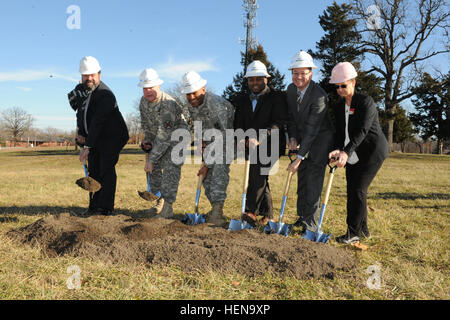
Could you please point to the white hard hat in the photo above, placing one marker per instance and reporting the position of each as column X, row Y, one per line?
column 89, row 65
column 302, row 60
column 191, row 82
column 256, row 69
column 342, row 72
column 149, row 78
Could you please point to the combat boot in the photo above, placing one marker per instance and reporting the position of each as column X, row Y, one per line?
column 216, row 214
column 167, row 211
column 157, row 208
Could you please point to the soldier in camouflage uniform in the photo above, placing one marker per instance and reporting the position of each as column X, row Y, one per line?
column 160, row 116
column 213, row 112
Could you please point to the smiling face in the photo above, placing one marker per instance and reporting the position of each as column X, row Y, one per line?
column 196, row 98
column 301, row 77
column 152, row 94
column 91, row 80
column 256, row 84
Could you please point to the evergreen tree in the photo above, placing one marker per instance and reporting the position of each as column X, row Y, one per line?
column 239, row 85
column 432, row 118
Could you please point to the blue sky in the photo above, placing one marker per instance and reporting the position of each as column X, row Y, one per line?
column 39, row 57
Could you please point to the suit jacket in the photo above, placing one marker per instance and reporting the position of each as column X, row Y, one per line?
column 310, row 122
column 364, row 130
column 105, row 124
column 270, row 112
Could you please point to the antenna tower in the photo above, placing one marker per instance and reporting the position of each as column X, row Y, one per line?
column 250, row 7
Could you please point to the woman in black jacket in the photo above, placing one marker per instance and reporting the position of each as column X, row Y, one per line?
column 360, row 146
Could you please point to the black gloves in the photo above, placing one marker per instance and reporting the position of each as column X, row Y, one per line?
column 77, row 97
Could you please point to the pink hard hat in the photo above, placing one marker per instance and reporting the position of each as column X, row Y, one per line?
column 342, row 72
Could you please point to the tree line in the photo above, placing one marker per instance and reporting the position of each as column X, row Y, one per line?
column 390, row 42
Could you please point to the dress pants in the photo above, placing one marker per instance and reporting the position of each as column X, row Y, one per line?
column 310, row 183
column 101, row 167
column 259, row 199
column 359, row 176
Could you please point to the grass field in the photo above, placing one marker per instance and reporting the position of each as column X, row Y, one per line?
column 409, row 207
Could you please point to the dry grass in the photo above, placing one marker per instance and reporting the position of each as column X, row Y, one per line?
column 409, row 220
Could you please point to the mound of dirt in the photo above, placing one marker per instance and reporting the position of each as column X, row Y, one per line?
column 157, row 241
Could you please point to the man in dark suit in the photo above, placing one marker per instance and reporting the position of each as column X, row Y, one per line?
column 263, row 108
column 101, row 131
column 311, row 128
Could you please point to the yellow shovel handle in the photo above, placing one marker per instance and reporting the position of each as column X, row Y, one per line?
column 246, row 176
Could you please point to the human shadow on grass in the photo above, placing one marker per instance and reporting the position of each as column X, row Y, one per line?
column 412, row 196
column 73, row 210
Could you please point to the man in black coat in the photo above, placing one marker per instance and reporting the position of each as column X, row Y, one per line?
column 266, row 109
column 102, row 133
column 311, row 130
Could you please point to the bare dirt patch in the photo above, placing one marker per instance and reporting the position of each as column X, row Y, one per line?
column 157, row 241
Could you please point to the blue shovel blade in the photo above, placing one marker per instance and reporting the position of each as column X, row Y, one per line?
column 236, row 225
column 193, row 219
column 322, row 237
column 280, row 228
column 316, row 237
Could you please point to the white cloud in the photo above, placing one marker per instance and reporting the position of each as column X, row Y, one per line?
column 170, row 70
column 33, row 75
column 54, row 118
column 25, row 89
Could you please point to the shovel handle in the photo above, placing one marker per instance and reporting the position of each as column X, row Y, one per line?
column 330, row 181
column 246, row 176
column 288, row 183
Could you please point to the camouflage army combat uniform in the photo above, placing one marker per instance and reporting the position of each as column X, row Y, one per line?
column 215, row 113
column 159, row 119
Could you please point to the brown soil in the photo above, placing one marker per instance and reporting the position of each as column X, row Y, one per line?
column 157, row 241
column 89, row 184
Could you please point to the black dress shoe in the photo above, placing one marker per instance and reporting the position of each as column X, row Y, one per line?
column 347, row 239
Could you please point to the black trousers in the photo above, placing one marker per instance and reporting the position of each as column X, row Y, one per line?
column 259, row 199
column 101, row 167
column 359, row 177
column 310, row 183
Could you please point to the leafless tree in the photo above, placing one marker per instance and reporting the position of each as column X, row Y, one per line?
column 15, row 122
column 399, row 36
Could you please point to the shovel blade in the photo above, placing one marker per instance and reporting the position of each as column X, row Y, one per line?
column 148, row 196
column 237, row 225
column 193, row 219
column 280, row 228
column 88, row 184
column 316, row 236
column 322, row 237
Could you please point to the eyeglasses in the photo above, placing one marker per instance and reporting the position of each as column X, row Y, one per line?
column 301, row 74
column 343, row 86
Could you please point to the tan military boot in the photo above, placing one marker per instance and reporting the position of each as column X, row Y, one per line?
column 167, row 211
column 216, row 214
column 157, row 208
